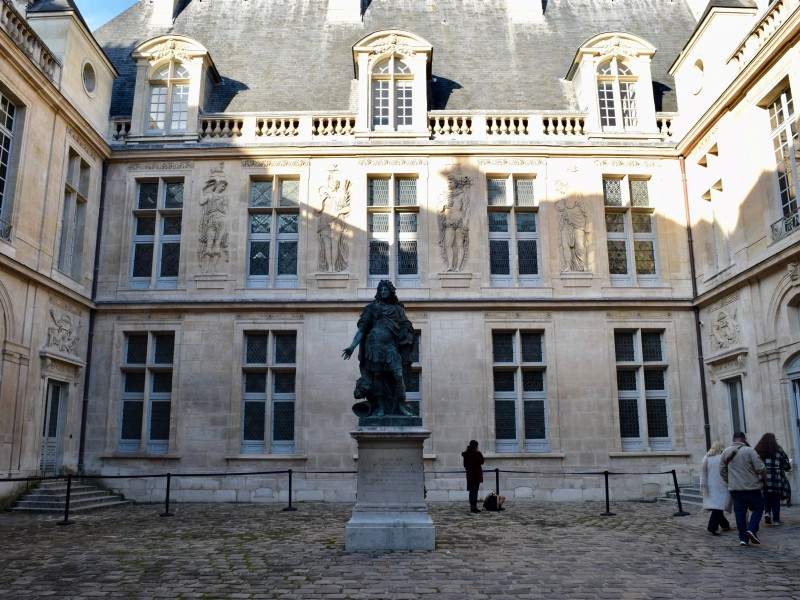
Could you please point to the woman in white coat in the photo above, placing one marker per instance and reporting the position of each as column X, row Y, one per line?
column 716, row 497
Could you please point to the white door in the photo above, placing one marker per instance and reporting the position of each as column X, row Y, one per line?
column 55, row 408
column 795, row 427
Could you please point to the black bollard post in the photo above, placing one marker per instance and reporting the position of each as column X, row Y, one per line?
column 681, row 512
column 290, row 508
column 66, row 520
column 608, row 512
column 166, row 512
column 497, row 481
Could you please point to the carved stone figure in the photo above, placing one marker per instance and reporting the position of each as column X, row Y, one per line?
column 213, row 225
column 573, row 223
column 454, row 223
column 724, row 330
column 332, row 225
column 794, row 273
column 63, row 334
column 386, row 340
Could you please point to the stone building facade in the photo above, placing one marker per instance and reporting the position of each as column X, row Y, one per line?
column 552, row 190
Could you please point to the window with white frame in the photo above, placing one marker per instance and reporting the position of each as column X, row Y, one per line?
column 169, row 99
column 392, row 225
column 412, row 377
column 156, row 246
column 73, row 219
column 520, row 393
column 273, row 226
column 392, row 95
column 268, row 401
column 616, row 95
column 147, row 392
column 8, row 114
column 784, row 133
column 630, row 230
column 736, row 404
column 644, row 418
column 513, row 230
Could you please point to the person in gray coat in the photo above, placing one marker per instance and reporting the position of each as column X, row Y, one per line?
column 716, row 497
column 743, row 470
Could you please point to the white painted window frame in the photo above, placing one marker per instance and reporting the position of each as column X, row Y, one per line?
column 77, row 181
column 737, row 382
column 623, row 121
column 394, row 79
column 790, row 118
column 8, row 144
column 174, row 86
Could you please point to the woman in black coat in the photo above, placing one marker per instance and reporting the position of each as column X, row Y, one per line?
column 473, row 464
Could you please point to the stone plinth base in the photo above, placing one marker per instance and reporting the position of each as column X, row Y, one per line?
column 390, row 511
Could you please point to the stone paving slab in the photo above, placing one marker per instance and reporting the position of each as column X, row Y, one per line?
column 532, row 550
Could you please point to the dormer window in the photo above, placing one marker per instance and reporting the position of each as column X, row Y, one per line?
column 392, row 94
column 169, row 98
column 616, row 95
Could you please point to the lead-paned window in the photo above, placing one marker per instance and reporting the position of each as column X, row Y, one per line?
column 630, row 230
column 513, row 230
column 8, row 115
column 157, row 224
column 641, row 390
column 392, row 95
column 392, row 228
column 147, row 381
column 616, row 95
column 273, row 232
column 786, row 146
column 520, row 394
column 736, row 404
column 73, row 215
column 268, row 399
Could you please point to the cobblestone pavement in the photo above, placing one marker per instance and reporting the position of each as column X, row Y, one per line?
column 530, row 551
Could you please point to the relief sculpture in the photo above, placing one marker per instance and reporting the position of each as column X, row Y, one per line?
column 64, row 332
column 332, row 224
column 724, row 330
column 454, row 223
column 573, row 222
column 213, row 225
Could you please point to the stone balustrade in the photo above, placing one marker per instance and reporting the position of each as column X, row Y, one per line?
column 563, row 125
column 212, row 126
column 775, row 16
column 443, row 126
column 277, row 126
column 333, row 125
column 26, row 40
column 664, row 123
column 120, row 128
column 449, row 125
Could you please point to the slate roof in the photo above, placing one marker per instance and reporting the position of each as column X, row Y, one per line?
column 280, row 55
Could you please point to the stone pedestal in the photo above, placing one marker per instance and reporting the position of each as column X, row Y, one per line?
column 390, row 511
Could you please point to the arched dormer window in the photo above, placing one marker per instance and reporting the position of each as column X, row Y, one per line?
column 169, row 98
column 392, row 94
column 392, row 70
column 616, row 95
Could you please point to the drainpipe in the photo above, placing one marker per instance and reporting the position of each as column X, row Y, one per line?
column 700, row 360
column 90, row 340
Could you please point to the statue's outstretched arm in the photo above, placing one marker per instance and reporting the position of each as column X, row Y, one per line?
column 348, row 352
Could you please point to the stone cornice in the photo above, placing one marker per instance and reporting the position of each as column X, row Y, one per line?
column 45, row 281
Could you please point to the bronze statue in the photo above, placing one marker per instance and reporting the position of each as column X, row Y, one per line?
column 386, row 339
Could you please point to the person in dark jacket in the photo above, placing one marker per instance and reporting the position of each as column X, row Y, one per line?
column 776, row 484
column 473, row 464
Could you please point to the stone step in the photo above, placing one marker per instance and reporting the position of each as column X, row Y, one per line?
column 76, row 489
column 51, row 496
column 78, row 509
column 73, row 498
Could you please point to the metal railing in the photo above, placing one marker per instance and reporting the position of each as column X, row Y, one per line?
column 290, row 473
column 5, row 229
column 785, row 226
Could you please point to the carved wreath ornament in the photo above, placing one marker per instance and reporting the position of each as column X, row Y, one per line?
column 392, row 45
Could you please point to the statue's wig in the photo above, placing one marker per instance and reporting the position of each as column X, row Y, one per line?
column 393, row 299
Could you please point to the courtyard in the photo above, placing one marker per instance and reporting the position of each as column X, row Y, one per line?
column 532, row 550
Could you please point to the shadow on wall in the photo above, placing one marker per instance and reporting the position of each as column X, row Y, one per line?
column 659, row 91
column 441, row 90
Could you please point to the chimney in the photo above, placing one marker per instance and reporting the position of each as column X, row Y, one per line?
column 344, row 11
column 163, row 13
column 525, row 11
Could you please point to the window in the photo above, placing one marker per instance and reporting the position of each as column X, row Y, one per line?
column 718, row 251
column 269, row 392
column 157, row 234
column 641, row 389
column 169, row 99
column 73, row 219
column 273, row 223
column 8, row 113
column 630, row 228
column 513, row 230
column 736, row 403
column 412, row 377
column 147, row 391
column 520, row 395
column 392, row 224
column 392, row 95
column 783, row 126
column 616, row 95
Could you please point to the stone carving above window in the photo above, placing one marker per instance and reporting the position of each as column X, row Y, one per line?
column 332, row 227
column 454, row 223
column 214, row 222
column 725, row 331
column 170, row 50
column 393, row 45
column 64, row 332
column 573, row 224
